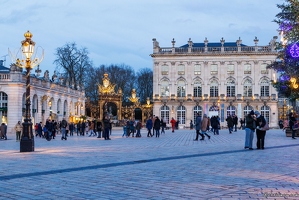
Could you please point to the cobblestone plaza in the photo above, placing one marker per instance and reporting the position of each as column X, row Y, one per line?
column 170, row 167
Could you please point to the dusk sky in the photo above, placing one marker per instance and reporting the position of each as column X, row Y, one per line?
column 121, row 31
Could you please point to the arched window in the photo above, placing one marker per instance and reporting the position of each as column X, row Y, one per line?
column 230, row 88
column 164, row 113
column 247, row 88
column 181, row 115
column 197, row 89
column 196, row 109
column 231, row 110
column 265, row 88
column 214, row 89
column 265, row 111
column 3, row 106
column 164, row 88
column 181, row 90
column 247, row 110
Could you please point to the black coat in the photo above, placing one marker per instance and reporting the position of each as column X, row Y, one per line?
column 157, row 124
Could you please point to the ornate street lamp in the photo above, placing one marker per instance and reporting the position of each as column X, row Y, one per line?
column 27, row 61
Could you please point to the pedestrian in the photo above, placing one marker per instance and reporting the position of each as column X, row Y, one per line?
column 204, row 127
column 157, row 126
column 35, row 129
column 280, row 123
column 191, row 125
column 71, row 128
column 54, row 124
column 3, row 129
column 138, row 127
column 292, row 122
column 49, row 129
column 260, row 133
column 40, row 129
column 249, row 129
column 215, row 125
column 173, row 123
column 149, row 125
column 163, row 125
column 18, row 129
column 198, row 127
column 106, row 122
column 91, row 129
column 125, row 131
column 87, row 125
column 230, row 123
column 63, row 129
column 132, row 127
column 99, row 128
column 235, row 120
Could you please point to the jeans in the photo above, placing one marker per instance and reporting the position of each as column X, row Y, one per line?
column 63, row 132
column 216, row 131
column 157, row 132
column 249, row 137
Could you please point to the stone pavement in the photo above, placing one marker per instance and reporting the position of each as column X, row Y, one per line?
column 170, row 167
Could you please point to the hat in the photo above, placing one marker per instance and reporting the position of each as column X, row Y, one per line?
column 256, row 112
column 251, row 112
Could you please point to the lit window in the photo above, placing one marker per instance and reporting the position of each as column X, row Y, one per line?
column 214, row 69
column 197, row 69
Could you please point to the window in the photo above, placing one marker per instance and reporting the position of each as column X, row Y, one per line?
column 3, row 105
column 197, row 69
column 265, row 111
column 231, row 110
column 165, row 114
column 181, row 90
column 181, row 69
column 214, row 69
column 247, row 88
column 264, row 69
column 230, row 69
column 197, row 90
column 164, row 89
column 264, row 88
column 247, row 69
column 230, row 88
column 164, row 69
column 247, row 110
column 181, row 114
column 214, row 89
column 196, row 109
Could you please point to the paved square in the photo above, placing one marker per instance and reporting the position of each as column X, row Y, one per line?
column 170, row 167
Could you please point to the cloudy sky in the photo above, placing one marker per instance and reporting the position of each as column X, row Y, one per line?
column 121, row 31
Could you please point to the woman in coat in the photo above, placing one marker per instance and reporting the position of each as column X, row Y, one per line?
column 149, row 126
column 157, row 125
column 260, row 134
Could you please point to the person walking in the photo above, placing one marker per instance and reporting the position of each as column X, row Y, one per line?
column 40, row 129
column 18, row 129
column 191, row 125
column 138, row 127
column 249, row 129
column 215, row 125
column 157, row 126
column 99, row 129
column 235, row 121
column 3, row 129
column 260, row 133
column 71, row 128
column 91, row 129
column 198, row 127
column 204, row 127
column 173, row 122
column 292, row 122
column 230, row 123
column 63, row 129
column 163, row 125
column 149, row 125
column 106, row 122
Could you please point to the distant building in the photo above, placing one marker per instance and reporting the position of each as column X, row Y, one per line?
column 49, row 98
column 221, row 79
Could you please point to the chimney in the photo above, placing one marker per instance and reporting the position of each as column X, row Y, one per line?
column 1, row 63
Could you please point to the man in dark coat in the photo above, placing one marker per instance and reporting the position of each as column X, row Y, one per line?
column 198, row 127
column 230, row 123
column 157, row 126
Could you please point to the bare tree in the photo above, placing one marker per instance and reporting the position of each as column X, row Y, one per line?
column 144, row 82
column 72, row 63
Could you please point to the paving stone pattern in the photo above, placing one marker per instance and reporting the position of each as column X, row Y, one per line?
column 172, row 166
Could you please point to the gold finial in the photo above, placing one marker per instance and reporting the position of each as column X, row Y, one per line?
column 28, row 35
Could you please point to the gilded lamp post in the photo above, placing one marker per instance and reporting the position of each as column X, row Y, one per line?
column 27, row 61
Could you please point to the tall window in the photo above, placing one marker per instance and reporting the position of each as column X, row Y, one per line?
column 264, row 88
column 196, row 109
column 3, row 105
column 181, row 90
column 230, row 88
column 264, row 68
column 214, row 89
column 197, row 69
column 247, row 69
column 230, row 69
column 164, row 88
column 247, row 88
column 265, row 111
column 214, row 69
column 197, row 90
column 165, row 114
column 231, row 110
column 181, row 115
column 181, row 69
column 164, row 69
column 247, row 110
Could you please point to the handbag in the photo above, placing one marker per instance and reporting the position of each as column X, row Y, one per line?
column 295, row 127
column 266, row 127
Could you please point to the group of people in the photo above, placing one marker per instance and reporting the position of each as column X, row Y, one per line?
column 232, row 123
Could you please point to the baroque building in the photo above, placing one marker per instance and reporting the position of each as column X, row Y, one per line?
column 50, row 98
column 222, row 78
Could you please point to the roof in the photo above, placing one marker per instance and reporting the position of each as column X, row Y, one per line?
column 214, row 44
column 4, row 69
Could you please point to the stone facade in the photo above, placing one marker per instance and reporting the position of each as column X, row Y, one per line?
column 49, row 98
column 214, row 79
